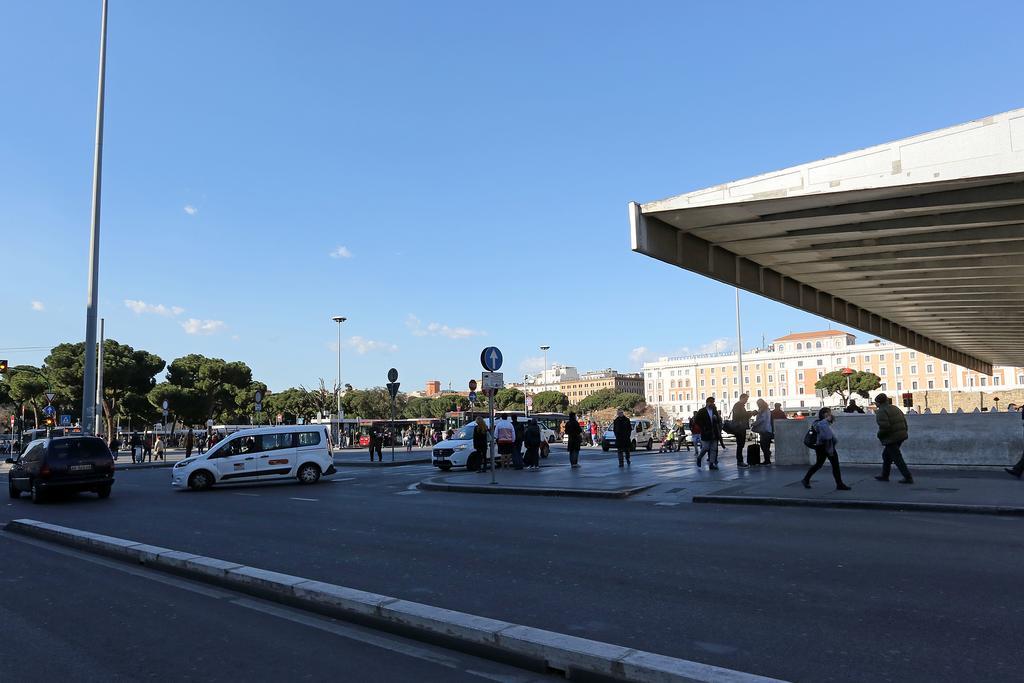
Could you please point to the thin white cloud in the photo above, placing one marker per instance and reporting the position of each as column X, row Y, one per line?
column 439, row 330
column 190, row 210
column 532, row 365
column 363, row 346
column 38, row 306
column 640, row 354
column 716, row 346
column 139, row 307
column 197, row 326
column 341, row 252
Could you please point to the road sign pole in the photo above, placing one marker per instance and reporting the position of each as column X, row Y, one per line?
column 490, row 411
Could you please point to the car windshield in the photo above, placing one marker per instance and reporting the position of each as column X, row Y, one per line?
column 464, row 433
column 75, row 449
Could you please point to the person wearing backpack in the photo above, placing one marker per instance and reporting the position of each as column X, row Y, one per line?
column 824, row 439
column 532, row 439
column 892, row 432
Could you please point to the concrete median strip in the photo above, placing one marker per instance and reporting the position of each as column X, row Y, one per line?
column 863, row 504
column 544, row 649
column 439, row 484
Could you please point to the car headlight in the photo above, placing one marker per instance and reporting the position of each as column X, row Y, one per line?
column 462, row 447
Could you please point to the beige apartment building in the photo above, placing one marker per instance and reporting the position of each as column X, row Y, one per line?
column 591, row 382
column 785, row 372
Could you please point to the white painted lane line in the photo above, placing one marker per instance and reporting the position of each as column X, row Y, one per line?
column 337, row 481
column 308, row 500
column 408, row 493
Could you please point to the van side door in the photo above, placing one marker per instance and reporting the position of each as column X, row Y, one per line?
column 235, row 460
column 277, row 455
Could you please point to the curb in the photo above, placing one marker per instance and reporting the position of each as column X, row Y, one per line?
column 397, row 463
column 436, row 485
column 553, row 651
column 144, row 466
column 863, row 504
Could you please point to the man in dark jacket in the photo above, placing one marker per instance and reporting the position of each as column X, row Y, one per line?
column 741, row 422
column 1018, row 469
column 532, row 439
column 623, row 430
column 892, row 432
column 710, row 423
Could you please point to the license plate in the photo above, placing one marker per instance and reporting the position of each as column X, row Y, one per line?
column 79, row 468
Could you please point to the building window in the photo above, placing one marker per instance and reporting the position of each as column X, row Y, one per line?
column 800, row 377
column 899, row 386
column 868, row 369
column 770, row 378
column 800, row 390
column 771, row 392
column 881, row 358
column 799, row 346
column 984, row 381
column 799, row 363
column 702, row 382
column 725, row 380
column 758, row 380
column 746, row 380
column 821, row 362
column 945, row 384
column 931, row 384
column 769, row 366
column 745, row 368
column 945, row 367
column 883, row 386
column 817, row 345
column 867, row 359
column 913, row 369
column 899, row 370
column 712, row 381
column 853, row 359
column 913, row 386
column 929, row 368
column 782, row 364
column 897, row 355
column 913, row 355
column 782, row 391
column 882, row 371
column 995, row 381
column 820, row 373
column 712, row 371
column 782, row 347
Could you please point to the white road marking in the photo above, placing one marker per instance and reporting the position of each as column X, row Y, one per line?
column 667, row 504
column 336, row 481
column 308, row 500
column 407, row 493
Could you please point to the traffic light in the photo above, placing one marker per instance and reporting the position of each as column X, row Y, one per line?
column 49, row 422
column 3, row 367
column 908, row 400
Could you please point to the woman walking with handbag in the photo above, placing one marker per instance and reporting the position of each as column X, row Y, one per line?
column 825, row 449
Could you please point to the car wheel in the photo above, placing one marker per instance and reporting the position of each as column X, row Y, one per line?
column 15, row 493
column 472, row 463
column 551, row 439
column 650, row 444
column 308, row 474
column 200, row 480
column 632, row 445
column 604, row 447
column 103, row 492
column 36, row 493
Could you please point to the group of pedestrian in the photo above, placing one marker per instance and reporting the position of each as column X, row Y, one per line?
column 892, row 433
column 707, row 428
column 511, row 436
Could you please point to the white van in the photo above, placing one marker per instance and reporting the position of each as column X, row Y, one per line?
column 300, row 452
column 643, row 434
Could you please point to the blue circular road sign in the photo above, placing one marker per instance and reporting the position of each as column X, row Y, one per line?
column 490, row 358
column 49, row 410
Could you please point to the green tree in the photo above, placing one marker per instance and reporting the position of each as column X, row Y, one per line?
column 372, row 404
column 291, row 404
column 860, row 383
column 417, row 406
column 509, row 398
column 447, row 403
column 210, row 388
column 629, row 401
column 128, row 376
column 599, row 400
column 323, row 401
column 25, row 387
column 550, row 402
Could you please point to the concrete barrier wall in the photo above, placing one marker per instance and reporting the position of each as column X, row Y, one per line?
column 953, row 439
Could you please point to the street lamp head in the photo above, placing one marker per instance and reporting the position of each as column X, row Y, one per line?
column 544, row 348
column 339, row 319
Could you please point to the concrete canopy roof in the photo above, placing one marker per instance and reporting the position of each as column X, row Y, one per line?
column 919, row 241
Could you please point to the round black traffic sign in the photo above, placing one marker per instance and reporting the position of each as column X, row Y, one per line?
column 392, row 375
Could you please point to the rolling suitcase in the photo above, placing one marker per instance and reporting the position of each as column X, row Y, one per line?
column 753, row 454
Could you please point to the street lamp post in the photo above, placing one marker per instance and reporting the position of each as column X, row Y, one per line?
column 337, row 387
column 92, row 295
column 545, row 350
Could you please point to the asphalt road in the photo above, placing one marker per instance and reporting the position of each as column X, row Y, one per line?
column 811, row 595
column 71, row 616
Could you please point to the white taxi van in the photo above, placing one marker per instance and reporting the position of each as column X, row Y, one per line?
column 301, row 452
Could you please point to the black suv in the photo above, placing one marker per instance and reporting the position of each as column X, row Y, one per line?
column 66, row 463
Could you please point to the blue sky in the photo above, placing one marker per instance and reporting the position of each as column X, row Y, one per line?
column 447, row 175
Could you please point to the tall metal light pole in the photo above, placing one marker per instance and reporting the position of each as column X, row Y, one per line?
column 545, row 350
column 92, row 296
column 99, row 383
column 739, row 340
column 337, row 387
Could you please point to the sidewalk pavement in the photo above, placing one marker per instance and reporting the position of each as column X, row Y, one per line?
column 352, row 457
column 673, row 478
